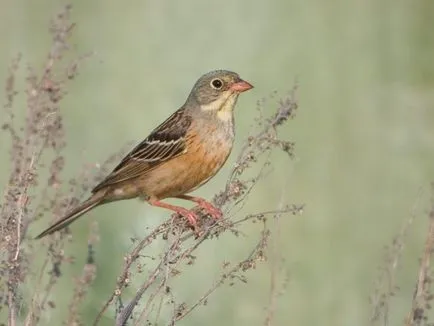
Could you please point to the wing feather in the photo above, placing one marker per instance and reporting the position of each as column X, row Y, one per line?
column 165, row 142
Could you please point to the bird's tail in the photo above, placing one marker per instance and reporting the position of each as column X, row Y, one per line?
column 83, row 208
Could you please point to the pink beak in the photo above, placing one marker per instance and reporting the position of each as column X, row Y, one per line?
column 241, row 86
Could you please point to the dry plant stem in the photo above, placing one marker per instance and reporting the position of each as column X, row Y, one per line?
column 175, row 258
column 162, row 266
column 386, row 286
column 180, row 258
column 258, row 142
column 257, row 253
column 275, row 262
column 168, row 269
column 147, row 309
column 33, row 143
column 11, row 245
column 12, row 309
column 129, row 260
column 165, row 261
column 127, row 311
column 54, row 257
column 38, row 142
column 85, row 281
column 249, row 262
column 31, row 157
column 416, row 315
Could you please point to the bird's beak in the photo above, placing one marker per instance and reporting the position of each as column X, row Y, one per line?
column 241, row 86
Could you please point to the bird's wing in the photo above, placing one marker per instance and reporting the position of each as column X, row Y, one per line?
column 165, row 142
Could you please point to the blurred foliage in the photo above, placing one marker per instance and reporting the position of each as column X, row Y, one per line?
column 364, row 134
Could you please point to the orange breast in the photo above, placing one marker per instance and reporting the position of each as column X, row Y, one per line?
column 203, row 159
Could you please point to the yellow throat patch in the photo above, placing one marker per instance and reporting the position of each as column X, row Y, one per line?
column 224, row 106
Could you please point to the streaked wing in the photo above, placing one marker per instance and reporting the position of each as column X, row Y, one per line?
column 165, row 142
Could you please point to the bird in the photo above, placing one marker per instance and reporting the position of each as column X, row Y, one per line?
column 180, row 155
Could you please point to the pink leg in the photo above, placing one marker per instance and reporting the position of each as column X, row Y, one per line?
column 191, row 216
column 210, row 208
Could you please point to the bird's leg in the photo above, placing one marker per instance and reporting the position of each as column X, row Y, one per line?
column 189, row 215
column 210, row 208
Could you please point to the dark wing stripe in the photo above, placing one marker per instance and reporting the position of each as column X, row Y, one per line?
column 165, row 142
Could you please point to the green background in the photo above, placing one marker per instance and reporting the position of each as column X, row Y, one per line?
column 364, row 136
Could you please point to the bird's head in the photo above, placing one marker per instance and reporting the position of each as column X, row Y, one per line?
column 216, row 93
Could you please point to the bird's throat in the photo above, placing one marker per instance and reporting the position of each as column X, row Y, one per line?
column 223, row 106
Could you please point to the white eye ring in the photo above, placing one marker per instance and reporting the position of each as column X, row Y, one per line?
column 216, row 83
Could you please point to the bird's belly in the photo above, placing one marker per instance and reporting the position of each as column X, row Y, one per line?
column 185, row 172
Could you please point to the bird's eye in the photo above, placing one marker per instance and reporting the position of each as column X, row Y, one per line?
column 216, row 83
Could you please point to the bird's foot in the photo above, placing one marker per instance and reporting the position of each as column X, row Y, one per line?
column 215, row 212
column 188, row 214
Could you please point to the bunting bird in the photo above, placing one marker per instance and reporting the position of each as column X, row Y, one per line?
column 180, row 155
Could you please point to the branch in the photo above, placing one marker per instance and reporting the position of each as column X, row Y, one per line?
column 417, row 313
column 182, row 241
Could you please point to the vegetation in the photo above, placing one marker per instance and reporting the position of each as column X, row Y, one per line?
column 306, row 226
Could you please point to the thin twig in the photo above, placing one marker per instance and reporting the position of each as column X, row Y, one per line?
column 415, row 316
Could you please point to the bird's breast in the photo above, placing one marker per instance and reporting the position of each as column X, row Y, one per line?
column 206, row 152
